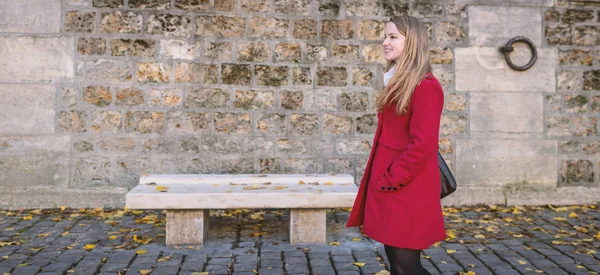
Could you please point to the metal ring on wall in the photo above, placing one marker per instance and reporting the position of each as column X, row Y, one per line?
column 508, row 48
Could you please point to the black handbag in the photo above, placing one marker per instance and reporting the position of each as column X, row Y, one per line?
column 446, row 178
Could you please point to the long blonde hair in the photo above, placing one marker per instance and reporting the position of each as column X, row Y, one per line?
column 412, row 65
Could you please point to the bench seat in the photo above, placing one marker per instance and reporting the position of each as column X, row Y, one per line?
column 187, row 199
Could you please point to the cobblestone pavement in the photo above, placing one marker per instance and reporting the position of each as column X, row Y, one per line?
column 481, row 240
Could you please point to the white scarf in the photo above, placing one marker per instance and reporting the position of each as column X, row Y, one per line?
column 388, row 75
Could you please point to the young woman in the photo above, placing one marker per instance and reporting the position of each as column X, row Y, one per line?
column 398, row 202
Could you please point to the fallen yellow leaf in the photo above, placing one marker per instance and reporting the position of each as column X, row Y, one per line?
column 27, row 217
column 164, row 259
column 65, row 233
column 328, row 183
column 479, row 236
column 522, row 262
column 518, row 235
column 580, row 267
column 62, row 208
column 359, row 264
column 140, row 252
column 383, row 272
column 539, row 271
column 470, row 273
column 161, row 188
column 573, row 215
column 560, row 219
column 356, row 239
column 145, row 271
column 334, row 243
column 450, row 251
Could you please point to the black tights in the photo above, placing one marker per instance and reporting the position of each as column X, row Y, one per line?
column 405, row 261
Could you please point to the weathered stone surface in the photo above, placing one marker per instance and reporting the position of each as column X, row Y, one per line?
column 576, row 172
column 353, row 146
column 453, row 124
column 187, row 122
column 27, row 109
column 305, row 29
column 232, row 123
column 287, row 52
column 253, row 52
column 558, row 34
column 455, row 102
column 258, row 145
column 250, row 100
column 363, row 77
column 170, row 25
column 192, row 165
column 361, row 8
column 552, row 16
column 271, row 123
column 439, row 55
column 129, row 97
column 484, row 69
column 293, row 146
column 108, row 3
column 568, row 147
column 165, row 98
column 370, row 29
column 575, row 57
column 366, row 124
column 150, row 4
column 301, row 165
column 194, row 5
column 507, row 113
column 36, row 59
column 318, row 100
column 558, row 126
column 222, row 145
column 76, row 21
column 91, row 171
column 33, row 16
column 329, row 7
column 591, row 148
column 179, row 49
column 236, row 74
column 316, row 53
column 304, row 124
column 291, row 100
column 576, row 104
column 269, row 165
column 268, row 28
column 91, row 46
column 104, row 70
column 292, row 7
column 271, row 75
column 595, row 104
column 106, row 121
column 492, row 162
column 129, row 169
column 337, row 124
column 301, row 76
column 344, row 53
column 187, row 145
column 449, row 32
column 116, row 144
column 220, row 26
column 577, row 16
column 97, row 95
column 154, row 72
column 493, row 25
column 224, row 5
column 206, row 98
column 445, row 75
column 571, row 81
column 426, row 8
column 83, row 145
column 144, row 122
column 68, row 97
column 121, row 22
column 553, row 103
column 585, row 126
column 196, row 73
column 395, row 7
column 337, row 29
column 217, row 50
column 133, row 47
column 332, row 76
column 237, row 165
column 373, row 53
column 338, row 166
column 72, row 121
column 354, row 102
column 307, row 226
column 27, row 161
column 586, row 35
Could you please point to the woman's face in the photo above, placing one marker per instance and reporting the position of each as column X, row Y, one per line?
column 393, row 44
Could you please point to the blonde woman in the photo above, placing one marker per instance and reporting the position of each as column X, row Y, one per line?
column 398, row 203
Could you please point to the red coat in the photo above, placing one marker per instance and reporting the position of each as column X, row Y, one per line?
column 398, row 201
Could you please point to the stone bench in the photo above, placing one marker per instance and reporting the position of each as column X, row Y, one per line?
column 187, row 199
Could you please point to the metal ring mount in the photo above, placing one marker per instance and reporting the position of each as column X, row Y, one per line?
column 508, row 48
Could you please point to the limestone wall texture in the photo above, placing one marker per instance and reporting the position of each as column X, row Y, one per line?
column 95, row 93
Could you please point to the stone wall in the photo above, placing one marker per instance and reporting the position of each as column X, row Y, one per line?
column 98, row 92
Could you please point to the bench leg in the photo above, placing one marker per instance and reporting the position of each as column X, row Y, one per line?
column 186, row 227
column 307, row 226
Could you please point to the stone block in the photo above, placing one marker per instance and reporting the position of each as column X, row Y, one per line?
column 224, row 5
column 77, row 21
column 497, row 162
column 220, row 26
column 426, row 8
column 73, row 121
column 301, row 165
column 366, row 124
column 293, row 7
column 474, row 195
column 287, row 52
column 575, row 195
column 232, row 123
column 187, row 122
column 268, row 28
column 30, row 16
column 129, row 97
column 336, row 124
column 332, row 76
column 108, row 3
column 27, row 161
column 395, row 7
column 253, row 52
column 354, row 102
column 121, row 22
column 291, row 100
column 197, row 5
column 170, row 25
column 52, row 197
column 337, row 29
column 329, row 7
column 484, row 69
column 370, row 30
column 186, row 227
column 99, row 96
column 559, row 34
column 317, row 100
column 586, row 35
column 361, row 8
column 106, row 121
column 133, row 47
column 271, row 123
column 206, row 98
column 307, row 226
column 373, row 53
column 439, row 55
column 271, row 75
column 301, row 76
column 236, row 74
column 292, row 146
column 494, row 26
column 304, row 124
column 68, row 97
column 344, row 53
column 144, row 122
column 27, row 109
column 353, row 146
column 150, row 4
column 217, row 50
column 449, row 33
column 36, row 59
column 251, row 100
column 258, row 145
column 196, row 73
column 506, row 113
column 305, row 29
column 258, row 6
column 576, row 57
column 363, row 77
column 90, row 171
column 154, row 72
column 91, row 46
column 576, row 172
